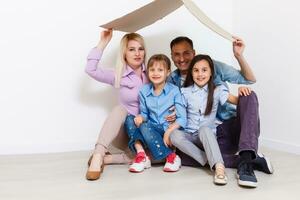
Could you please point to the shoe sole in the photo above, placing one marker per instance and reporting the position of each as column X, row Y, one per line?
column 269, row 164
column 249, row 184
column 170, row 170
column 147, row 166
column 220, row 182
column 135, row 171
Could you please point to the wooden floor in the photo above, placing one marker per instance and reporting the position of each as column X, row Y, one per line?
column 61, row 176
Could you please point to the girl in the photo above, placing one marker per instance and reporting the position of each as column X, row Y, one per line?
column 150, row 129
column 202, row 98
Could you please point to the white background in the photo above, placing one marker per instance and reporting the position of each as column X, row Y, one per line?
column 48, row 103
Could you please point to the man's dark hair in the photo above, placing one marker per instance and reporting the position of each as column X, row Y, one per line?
column 181, row 39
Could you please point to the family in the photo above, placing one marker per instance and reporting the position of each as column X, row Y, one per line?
column 183, row 118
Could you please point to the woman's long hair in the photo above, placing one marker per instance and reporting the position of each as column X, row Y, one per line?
column 121, row 60
column 211, row 86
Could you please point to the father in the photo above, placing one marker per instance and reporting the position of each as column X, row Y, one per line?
column 239, row 130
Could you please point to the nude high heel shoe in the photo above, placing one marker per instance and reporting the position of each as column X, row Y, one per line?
column 94, row 175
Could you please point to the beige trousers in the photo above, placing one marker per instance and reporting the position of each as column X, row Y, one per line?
column 113, row 133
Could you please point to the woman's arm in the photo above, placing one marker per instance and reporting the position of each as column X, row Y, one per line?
column 105, row 38
column 100, row 73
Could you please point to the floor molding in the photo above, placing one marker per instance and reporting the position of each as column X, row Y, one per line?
column 10, row 149
column 280, row 146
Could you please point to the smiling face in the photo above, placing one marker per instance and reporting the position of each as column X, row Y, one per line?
column 134, row 54
column 158, row 72
column 182, row 54
column 201, row 73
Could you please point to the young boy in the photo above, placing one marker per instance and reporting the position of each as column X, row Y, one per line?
column 150, row 129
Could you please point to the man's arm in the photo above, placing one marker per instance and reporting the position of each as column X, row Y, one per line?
column 238, row 50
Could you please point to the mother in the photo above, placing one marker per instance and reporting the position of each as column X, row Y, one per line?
column 128, row 77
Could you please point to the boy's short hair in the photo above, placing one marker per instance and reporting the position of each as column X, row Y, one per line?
column 159, row 58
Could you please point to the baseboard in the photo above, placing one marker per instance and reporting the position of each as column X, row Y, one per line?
column 280, row 146
column 88, row 145
column 45, row 148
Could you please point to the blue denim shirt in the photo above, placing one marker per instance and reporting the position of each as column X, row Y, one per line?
column 156, row 107
column 195, row 98
column 223, row 73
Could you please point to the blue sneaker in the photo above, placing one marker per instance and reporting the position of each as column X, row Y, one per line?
column 263, row 164
column 245, row 175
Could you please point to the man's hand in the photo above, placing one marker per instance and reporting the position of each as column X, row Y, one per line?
column 238, row 46
column 138, row 120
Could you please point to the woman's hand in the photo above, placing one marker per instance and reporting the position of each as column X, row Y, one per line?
column 105, row 37
column 138, row 120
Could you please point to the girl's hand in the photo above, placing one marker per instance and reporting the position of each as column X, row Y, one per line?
column 105, row 37
column 138, row 120
column 171, row 117
column 166, row 138
column 244, row 91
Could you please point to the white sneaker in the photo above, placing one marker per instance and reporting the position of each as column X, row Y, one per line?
column 220, row 177
column 173, row 163
column 141, row 162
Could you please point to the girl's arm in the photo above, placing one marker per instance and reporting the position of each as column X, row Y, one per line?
column 168, row 132
column 92, row 69
column 242, row 91
column 180, row 120
column 233, row 99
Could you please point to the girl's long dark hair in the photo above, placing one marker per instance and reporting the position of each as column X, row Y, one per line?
column 211, row 86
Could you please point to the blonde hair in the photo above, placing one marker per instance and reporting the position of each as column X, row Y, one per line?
column 121, row 60
column 159, row 58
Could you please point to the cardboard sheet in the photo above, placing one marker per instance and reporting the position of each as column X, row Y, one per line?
column 158, row 9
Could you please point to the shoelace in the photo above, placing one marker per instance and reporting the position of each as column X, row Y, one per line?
column 171, row 158
column 220, row 172
column 139, row 157
column 247, row 168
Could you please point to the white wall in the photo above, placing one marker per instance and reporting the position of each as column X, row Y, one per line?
column 47, row 102
column 271, row 29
